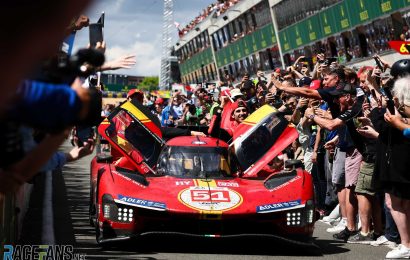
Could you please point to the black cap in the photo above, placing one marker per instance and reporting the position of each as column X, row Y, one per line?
column 343, row 89
column 305, row 81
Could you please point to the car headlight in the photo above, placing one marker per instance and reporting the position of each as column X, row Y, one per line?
column 125, row 214
column 116, row 212
column 293, row 218
column 310, row 211
column 301, row 217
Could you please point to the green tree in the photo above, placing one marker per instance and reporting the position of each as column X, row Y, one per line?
column 149, row 83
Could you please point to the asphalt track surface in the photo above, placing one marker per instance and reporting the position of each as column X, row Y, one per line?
column 70, row 225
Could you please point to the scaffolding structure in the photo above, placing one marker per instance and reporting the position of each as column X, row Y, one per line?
column 165, row 75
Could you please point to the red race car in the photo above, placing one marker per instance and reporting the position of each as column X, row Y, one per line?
column 198, row 186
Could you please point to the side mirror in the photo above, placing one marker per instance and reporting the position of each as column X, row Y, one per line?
column 104, row 158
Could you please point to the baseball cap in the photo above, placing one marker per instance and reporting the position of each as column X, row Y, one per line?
column 236, row 92
column 159, row 101
column 343, row 89
column 237, row 104
column 315, row 84
column 134, row 92
column 305, row 81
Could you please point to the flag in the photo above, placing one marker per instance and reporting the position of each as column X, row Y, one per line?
column 177, row 25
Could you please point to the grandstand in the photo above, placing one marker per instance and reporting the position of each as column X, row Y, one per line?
column 253, row 35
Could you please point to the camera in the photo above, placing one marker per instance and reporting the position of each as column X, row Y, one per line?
column 46, row 102
column 64, row 69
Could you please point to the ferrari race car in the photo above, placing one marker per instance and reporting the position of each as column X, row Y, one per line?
column 198, row 186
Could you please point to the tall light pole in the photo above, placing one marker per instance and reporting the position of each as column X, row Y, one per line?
column 165, row 75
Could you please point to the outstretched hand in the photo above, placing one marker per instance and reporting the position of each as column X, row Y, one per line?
column 124, row 62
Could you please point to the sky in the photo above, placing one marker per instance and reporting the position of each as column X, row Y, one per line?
column 135, row 27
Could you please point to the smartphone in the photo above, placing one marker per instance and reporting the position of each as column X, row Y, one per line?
column 96, row 31
column 390, row 106
column 96, row 34
column 83, row 134
column 331, row 59
column 379, row 64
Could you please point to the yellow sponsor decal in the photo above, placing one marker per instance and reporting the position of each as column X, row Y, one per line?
column 105, row 122
column 258, row 115
column 135, row 111
column 205, row 183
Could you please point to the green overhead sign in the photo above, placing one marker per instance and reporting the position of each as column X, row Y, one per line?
column 335, row 19
column 258, row 40
column 196, row 62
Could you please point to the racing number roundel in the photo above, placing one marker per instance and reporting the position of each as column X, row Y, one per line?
column 210, row 199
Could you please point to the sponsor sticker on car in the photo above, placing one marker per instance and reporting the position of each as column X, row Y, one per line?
column 155, row 205
column 279, row 206
column 210, row 199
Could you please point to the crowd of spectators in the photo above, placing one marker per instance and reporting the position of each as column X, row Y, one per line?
column 353, row 138
column 218, row 8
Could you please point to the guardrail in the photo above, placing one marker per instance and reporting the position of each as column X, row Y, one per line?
column 13, row 208
column 8, row 219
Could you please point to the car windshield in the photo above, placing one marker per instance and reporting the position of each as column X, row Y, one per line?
column 258, row 141
column 194, row 162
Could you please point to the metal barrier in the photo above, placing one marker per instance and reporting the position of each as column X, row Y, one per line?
column 12, row 211
column 8, row 220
